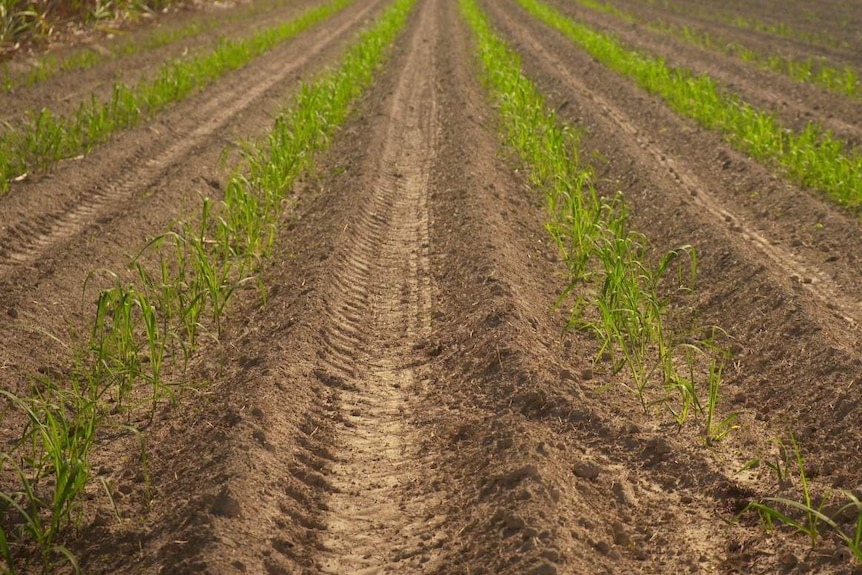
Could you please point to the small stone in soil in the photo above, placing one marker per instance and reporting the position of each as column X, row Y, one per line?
column 602, row 547
column 586, row 470
column 544, row 568
column 514, row 522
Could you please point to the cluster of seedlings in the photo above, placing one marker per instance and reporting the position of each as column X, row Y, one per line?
column 614, row 290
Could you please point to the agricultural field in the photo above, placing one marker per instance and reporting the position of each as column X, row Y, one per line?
column 435, row 286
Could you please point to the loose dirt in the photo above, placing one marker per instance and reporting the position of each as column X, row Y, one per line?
column 407, row 399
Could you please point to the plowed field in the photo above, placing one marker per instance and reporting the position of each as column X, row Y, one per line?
column 395, row 385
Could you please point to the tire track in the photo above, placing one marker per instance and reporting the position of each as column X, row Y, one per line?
column 378, row 309
column 784, row 263
column 107, row 189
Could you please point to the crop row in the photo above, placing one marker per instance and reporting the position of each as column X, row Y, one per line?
column 780, row 29
column 813, row 157
column 840, row 80
column 48, row 65
column 611, row 280
column 614, row 291
column 45, row 138
column 181, row 285
column 816, row 71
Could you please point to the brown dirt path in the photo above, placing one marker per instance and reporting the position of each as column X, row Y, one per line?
column 378, row 309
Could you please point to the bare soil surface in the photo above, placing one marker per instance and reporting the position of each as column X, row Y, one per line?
column 407, row 399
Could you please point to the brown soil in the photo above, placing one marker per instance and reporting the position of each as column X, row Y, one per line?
column 407, row 400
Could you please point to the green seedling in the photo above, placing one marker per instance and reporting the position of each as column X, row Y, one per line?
column 770, row 508
column 59, row 434
column 716, row 429
column 781, row 465
column 684, row 386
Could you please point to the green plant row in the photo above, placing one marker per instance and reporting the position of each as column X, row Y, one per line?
column 813, row 157
column 616, row 292
column 817, row 71
column 49, row 65
column 781, row 29
column 45, row 138
column 150, row 325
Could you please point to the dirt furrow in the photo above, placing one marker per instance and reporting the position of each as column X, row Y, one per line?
column 375, row 524
column 111, row 186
